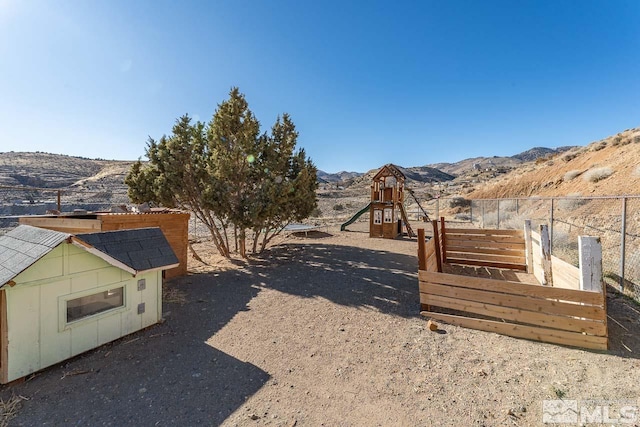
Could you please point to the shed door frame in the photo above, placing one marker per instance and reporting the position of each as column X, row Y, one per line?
column 4, row 368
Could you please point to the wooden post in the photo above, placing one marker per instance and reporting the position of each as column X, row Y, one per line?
column 623, row 236
column 545, row 255
column 443, row 239
column 436, row 241
column 590, row 253
column 59, row 202
column 528, row 245
column 422, row 258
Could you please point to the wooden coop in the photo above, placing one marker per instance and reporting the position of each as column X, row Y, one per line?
column 174, row 225
column 386, row 209
column 507, row 281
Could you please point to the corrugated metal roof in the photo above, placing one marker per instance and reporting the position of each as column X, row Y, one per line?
column 140, row 249
column 23, row 246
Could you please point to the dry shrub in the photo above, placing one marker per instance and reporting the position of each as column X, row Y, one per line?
column 569, row 157
column 571, row 175
column 571, row 202
column 597, row 174
column 599, row 146
column 174, row 295
column 9, row 409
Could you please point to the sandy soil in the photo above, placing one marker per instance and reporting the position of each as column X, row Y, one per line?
column 321, row 330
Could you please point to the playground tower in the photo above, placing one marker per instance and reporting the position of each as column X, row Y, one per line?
column 386, row 210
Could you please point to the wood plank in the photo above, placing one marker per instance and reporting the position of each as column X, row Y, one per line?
column 490, row 264
column 565, row 275
column 482, row 257
column 528, row 246
column 518, row 315
column 509, row 287
column 436, row 245
column 545, row 256
column 528, row 332
column 590, row 255
column 443, row 239
column 565, row 268
column 498, row 251
column 432, row 264
column 486, row 231
column 494, row 245
column 63, row 224
column 462, row 238
column 514, row 301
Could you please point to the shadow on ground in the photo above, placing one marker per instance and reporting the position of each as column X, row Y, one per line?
column 346, row 275
column 164, row 375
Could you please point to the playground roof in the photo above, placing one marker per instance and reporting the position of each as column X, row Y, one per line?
column 389, row 170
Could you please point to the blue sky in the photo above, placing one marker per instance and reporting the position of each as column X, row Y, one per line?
column 366, row 82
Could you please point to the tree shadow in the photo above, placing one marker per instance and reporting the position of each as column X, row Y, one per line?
column 623, row 323
column 166, row 374
column 347, row 275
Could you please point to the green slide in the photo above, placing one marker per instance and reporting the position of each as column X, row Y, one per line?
column 353, row 218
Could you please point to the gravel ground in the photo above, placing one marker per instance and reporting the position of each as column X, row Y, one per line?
column 322, row 330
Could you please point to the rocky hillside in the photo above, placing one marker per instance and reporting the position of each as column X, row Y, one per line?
column 46, row 170
column 606, row 167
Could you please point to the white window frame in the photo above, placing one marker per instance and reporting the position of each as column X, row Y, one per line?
column 388, row 215
column 62, row 306
column 377, row 216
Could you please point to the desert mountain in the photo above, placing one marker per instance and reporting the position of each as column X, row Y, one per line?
column 606, row 167
column 46, row 170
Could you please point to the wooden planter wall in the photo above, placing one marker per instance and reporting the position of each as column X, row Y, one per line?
column 566, row 316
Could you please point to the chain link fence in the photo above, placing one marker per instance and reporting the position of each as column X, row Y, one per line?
column 615, row 220
column 20, row 201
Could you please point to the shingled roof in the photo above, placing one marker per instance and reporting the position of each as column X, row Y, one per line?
column 133, row 250
column 23, row 246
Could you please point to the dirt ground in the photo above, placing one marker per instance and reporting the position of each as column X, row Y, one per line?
column 320, row 330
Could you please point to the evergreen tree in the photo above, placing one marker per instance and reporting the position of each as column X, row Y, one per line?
column 229, row 175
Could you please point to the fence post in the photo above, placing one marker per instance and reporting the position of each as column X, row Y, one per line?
column 528, row 245
column 59, row 202
column 623, row 242
column 482, row 213
column 471, row 212
column 545, row 255
column 422, row 259
column 443, row 239
column 551, row 227
column 498, row 225
column 438, row 208
column 517, row 208
column 590, row 252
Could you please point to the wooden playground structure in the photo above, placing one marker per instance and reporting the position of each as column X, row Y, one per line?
column 386, row 209
column 529, row 293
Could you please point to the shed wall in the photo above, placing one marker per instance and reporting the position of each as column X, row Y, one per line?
column 38, row 335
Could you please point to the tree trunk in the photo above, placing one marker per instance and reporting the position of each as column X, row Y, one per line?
column 243, row 249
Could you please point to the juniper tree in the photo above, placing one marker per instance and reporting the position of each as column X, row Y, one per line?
column 229, row 174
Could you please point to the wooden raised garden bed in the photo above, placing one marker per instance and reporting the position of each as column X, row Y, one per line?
column 570, row 309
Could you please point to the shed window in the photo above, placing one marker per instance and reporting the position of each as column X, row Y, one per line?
column 82, row 307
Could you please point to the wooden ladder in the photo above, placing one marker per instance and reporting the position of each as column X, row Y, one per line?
column 403, row 214
column 427, row 219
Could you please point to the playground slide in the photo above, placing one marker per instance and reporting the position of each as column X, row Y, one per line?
column 356, row 216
